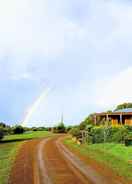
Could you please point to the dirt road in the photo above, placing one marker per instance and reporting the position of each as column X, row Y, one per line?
column 47, row 161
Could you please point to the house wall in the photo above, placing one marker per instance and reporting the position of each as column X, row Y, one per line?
column 128, row 121
column 114, row 121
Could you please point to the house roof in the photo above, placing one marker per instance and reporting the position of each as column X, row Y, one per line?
column 127, row 111
column 124, row 110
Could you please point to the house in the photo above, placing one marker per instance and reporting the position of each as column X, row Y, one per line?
column 118, row 117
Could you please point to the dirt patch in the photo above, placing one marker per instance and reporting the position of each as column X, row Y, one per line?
column 60, row 170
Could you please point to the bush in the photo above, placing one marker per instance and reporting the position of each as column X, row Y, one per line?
column 18, row 130
column 1, row 133
column 75, row 132
column 60, row 128
column 128, row 139
column 128, row 127
column 109, row 134
column 97, row 135
column 128, row 142
column 120, row 135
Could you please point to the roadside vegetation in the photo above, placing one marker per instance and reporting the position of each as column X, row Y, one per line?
column 115, row 156
column 104, row 143
column 26, row 136
column 8, row 153
column 60, row 128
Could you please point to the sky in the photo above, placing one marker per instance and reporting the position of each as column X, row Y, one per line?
column 80, row 50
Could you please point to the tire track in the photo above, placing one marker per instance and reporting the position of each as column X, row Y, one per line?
column 43, row 173
column 86, row 170
column 58, row 169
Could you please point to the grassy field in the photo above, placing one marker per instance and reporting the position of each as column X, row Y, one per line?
column 115, row 156
column 8, row 152
column 9, row 148
column 27, row 135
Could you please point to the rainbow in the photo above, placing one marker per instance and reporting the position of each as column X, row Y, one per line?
column 35, row 105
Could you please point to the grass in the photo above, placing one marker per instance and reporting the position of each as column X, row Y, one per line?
column 9, row 148
column 114, row 156
column 27, row 135
column 8, row 152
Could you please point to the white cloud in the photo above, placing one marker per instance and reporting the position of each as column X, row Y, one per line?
column 116, row 90
column 28, row 27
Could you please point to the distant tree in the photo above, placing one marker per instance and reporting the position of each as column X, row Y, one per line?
column 60, row 128
column 5, row 128
column 124, row 106
column 109, row 111
column 18, row 130
column 2, row 125
column 1, row 133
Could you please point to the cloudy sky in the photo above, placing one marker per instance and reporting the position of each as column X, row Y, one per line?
column 81, row 50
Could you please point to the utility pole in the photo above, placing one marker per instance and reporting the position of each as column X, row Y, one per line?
column 62, row 119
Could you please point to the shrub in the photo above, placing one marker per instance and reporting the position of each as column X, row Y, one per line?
column 60, row 128
column 1, row 133
column 120, row 135
column 75, row 131
column 128, row 139
column 97, row 135
column 128, row 127
column 18, row 130
column 109, row 134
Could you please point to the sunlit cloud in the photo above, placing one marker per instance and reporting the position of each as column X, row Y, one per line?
column 116, row 90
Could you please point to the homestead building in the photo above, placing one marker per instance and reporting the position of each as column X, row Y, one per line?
column 118, row 117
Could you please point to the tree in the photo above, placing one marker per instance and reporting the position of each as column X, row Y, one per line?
column 123, row 106
column 18, row 130
column 88, row 121
column 1, row 133
column 3, row 125
column 61, row 128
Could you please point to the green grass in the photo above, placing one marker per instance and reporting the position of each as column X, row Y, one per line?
column 115, row 156
column 8, row 152
column 27, row 135
column 9, row 148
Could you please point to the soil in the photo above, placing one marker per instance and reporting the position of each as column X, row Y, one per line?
column 23, row 168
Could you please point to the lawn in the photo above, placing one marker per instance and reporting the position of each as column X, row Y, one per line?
column 27, row 135
column 9, row 148
column 115, row 156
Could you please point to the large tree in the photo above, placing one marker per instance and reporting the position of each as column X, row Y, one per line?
column 124, row 106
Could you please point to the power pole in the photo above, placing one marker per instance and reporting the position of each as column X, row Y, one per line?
column 62, row 120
